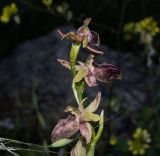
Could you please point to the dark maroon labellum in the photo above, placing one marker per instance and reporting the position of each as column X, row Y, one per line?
column 106, row 72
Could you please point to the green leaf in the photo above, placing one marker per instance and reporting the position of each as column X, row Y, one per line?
column 82, row 72
column 78, row 89
column 9, row 149
column 75, row 92
column 13, row 153
column 73, row 56
column 61, row 142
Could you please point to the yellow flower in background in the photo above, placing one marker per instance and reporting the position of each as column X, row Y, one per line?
column 149, row 25
column 142, row 134
column 140, row 141
column 7, row 12
column 47, row 3
column 137, row 147
column 113, row 140
column 147, row 28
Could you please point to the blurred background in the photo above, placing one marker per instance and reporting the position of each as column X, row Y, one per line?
column 35, row 89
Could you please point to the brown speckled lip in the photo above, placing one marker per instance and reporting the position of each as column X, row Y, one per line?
column 65, row 128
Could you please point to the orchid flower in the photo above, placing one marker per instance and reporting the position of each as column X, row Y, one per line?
column 78, row 119
column 88, row 38
column 91, row 72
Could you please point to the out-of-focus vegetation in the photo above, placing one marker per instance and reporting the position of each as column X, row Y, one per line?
column 7, row 12
column 129, row 27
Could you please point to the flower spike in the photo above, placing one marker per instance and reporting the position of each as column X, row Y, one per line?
column 89, row 72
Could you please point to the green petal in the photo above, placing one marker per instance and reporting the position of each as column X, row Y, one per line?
column 81, row 74
column 94, row 104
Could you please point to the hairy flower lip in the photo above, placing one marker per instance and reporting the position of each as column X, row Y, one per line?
column 69, row 126
column 65, row 128
column 106, row 72
column 102, row 72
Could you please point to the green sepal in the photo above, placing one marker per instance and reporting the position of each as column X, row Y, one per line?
column 82, row 72
column 88, row 116
column 61, row 142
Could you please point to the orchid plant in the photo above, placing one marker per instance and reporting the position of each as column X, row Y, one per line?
column 80, row 118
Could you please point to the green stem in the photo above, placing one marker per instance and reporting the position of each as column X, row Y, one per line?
column 91, row 150
column 98, row 135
